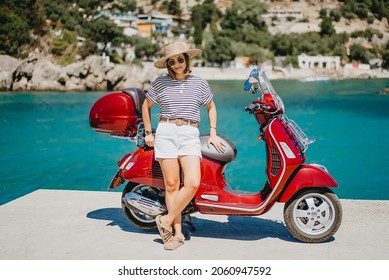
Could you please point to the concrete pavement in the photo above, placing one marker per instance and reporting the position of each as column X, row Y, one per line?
column 88, row 225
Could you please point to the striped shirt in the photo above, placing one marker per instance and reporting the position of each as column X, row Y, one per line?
column 180, row 99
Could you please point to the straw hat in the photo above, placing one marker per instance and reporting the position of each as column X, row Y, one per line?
column 175, row 49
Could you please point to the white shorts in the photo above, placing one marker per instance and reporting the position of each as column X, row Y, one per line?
column 172, row 141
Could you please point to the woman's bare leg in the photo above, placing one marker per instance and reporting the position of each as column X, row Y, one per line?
column 171, row 174
column 191, row 169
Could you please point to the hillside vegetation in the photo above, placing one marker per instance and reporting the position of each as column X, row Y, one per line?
column 237, row 28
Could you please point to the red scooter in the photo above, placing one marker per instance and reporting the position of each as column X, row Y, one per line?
column 312, row 212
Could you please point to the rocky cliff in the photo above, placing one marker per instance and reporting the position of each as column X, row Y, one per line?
column 94, row 73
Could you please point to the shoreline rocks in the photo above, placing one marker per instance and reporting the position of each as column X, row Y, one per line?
column 92, row 74
column 96, row 74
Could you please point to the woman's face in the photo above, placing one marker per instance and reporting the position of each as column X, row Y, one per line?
column 177, row 63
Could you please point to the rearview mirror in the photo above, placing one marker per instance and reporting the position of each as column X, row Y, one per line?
column 247, row 85
column 252, row 80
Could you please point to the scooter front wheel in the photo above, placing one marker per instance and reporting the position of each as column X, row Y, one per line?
column 140, row 219
column 313, row 215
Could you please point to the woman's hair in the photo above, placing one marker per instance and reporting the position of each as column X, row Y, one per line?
column 171, row 72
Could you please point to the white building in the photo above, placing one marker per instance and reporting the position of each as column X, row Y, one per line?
column 319, row 61
column 283, row 14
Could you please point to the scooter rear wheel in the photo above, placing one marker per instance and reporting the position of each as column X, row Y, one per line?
column 139, row 219
column 313, row 215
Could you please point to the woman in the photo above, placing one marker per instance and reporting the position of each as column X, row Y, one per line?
column 177, row 143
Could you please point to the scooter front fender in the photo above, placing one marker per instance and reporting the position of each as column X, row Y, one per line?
column 308, row 176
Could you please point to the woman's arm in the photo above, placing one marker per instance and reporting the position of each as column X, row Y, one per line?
column 213, row 138
column 146, row 106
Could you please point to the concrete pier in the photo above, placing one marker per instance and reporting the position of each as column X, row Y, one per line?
column 88, row 225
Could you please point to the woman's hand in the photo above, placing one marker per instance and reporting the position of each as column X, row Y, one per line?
column 149, row 139
column 216, row 142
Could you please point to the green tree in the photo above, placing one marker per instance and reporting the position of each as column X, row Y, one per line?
column 129, row 5
column 219, row 51
column 326, row 27
column 63, row 13
column 362, row 8
column 250, row 35
column 17, row 19
column 243, row 23
column 310, row 43
column 174, row 8
column 202, row 15
column 197, row 23
column 102, row 30
column 62, row 42
column 283, row 45
column 249, row 11
column 144, row 48
column 30, row 11
column 358, row 53
column 335, row 15
column 14, row 33
column 256, row 53
column 336, row 45
column 210, row 14
column 89, row 6
column 230, row 20
column 171, row 7
column 214, row 20
column 380, row 9
column 291, row 60
column 323, row 13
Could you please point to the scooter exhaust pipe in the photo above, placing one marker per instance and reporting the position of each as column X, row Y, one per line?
column 139, row 203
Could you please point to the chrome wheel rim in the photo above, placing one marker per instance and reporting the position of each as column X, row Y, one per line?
column 314, row 214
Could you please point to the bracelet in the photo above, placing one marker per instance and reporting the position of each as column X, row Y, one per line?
column 212, row 127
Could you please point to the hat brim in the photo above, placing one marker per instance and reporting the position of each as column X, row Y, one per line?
column 161, row 63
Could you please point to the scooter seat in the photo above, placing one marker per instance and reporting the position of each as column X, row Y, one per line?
column 228, row 155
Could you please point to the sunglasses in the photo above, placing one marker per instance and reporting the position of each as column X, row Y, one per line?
column 172, row 62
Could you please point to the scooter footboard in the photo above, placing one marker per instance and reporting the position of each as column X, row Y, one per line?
column 307, row 176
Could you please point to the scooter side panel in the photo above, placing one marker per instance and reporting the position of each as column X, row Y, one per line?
column 283, row 157
column 212, row 196
column 142, row 168
column 212, row 180
column 308, row 176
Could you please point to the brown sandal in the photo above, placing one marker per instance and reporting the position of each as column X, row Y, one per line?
column 173, row 243
column 164, row 232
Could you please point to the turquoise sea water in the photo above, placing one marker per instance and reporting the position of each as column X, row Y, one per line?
column 46, row 141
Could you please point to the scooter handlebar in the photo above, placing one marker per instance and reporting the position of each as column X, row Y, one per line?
column 256, row 106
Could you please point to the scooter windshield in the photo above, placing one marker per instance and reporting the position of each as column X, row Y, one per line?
column 260, row 83
column 267, row 87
